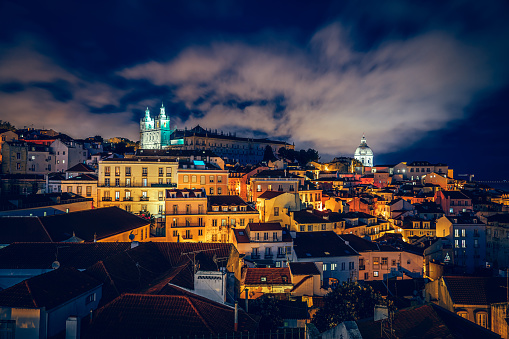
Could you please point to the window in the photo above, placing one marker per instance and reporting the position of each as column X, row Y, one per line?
column 258, row 188
column 310, row 228
column 463, row 232
column 186, row 178
column 375, row 273
column 366, row 276
column 351, row 265
column 343, row 266
column 128, row 182
column 219, row 178
column 144, row 171
column 214, row 222
column 211, row 190
column 117, row 182
column 456, row 233
column 302, row 228
column 481, row 319
column 89, row 191
column 393, row 262
column 168, row 171
column 291, row 188
column 107, row 182
column 194, row 179
column 323, row 227
column 69, row 189
column 202, row 180
column 117, row 171
column 456, row 244
column 90, row 298
column 242, row 222
column 463, row 314
column 18, row 156
column 200, row 232
column 128, row 171
column 333, row 267
column 276, row 211
column 463, row 243
column 219, row 190
column 144, row 182
column 107, row 171
column 324, row 266
column 211, row 179
column 224, row 222
column 117, row 195
column 385, row 261
column 376, row 262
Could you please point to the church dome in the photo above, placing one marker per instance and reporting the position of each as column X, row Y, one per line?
column 363, row 149
column 363, row 153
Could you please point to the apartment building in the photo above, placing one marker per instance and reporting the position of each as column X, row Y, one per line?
column 198, row 174
column 186, row 213
column 273, row 180
column 136, row 184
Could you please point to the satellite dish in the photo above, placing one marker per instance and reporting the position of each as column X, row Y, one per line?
column 55, row 265
column 131, row 237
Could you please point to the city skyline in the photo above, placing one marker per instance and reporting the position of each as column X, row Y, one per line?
column 422, row 81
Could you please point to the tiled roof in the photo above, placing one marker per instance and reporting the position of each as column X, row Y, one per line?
column 29, row 229
column 270, row 194
column 175, row 253
column 179, row 193
column 426, row 321
column 142, row 316
column 276, row 174
column 308, row 217
column 42, row 255
column 304, row 268
column 272, row 276
column 228, row 200
column 102, row 222
column 476, row 290
column 81, row 168
column 48, row 290
column 264, row 226
column 83, row 177
column 130, row 271
column 320, row 245
column 500, row 218
column 455, row 195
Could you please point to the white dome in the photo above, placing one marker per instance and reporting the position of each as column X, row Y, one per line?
column 363, row 153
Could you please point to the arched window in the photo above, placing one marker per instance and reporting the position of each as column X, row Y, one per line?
column 481, row 319
column 463, row 314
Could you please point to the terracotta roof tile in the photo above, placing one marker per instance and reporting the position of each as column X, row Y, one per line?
column 267, row 276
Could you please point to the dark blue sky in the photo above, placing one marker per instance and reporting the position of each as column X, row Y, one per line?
column 423, row 80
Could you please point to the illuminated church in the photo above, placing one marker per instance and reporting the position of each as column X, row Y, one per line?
column 363, row 153
column 155, row 132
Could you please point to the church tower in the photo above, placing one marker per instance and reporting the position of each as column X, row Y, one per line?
column 364, row 154
column 155, row 133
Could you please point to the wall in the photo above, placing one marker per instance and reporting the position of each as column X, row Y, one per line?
column 28, row 321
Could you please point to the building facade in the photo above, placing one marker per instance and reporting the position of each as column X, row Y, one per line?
column 155, row 133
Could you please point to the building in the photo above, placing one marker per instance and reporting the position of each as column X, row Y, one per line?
column 6, row 135
column 308, row 221
column 40, row 306
column 468, row 236
column 136, row 184
column 338, row 260
column 497, row 240
column 273, row 180
column 67, row 153
column 469, row 297
column 264, row 244
column 155, row 133
column 364, row 154
column 260, row 281
column 198, row 174
column 226, row 145
column 20, row 157
column 453, row 202
column 186, row 215
column 274, row 206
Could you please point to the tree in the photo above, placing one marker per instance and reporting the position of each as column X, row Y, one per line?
column 348, row 301
column 267, row 307
column 7, row 125
column 268, row 155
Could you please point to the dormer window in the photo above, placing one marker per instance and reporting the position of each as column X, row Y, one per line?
column 263, row 279
column 243, row 208
column 234, row 208
column 215, row 208
column 225, row 208
column 416, row 224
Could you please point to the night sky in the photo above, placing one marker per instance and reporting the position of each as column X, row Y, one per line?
column 424, row 80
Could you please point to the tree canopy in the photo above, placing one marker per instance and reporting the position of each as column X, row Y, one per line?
column 302, row 156
column 267, row 307
column 348, row 301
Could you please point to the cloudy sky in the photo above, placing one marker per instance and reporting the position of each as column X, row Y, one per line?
column 424, row 80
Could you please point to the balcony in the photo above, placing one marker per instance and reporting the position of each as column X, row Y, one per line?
column 106, row 199
column 268, row 256
column 144, row 198
column 255, row 256
column 188, row 237
column 128, row 199
column 168, row 185
column 281, row 255
column 362, row 267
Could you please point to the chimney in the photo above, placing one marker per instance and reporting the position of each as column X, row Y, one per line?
column 72, row 328
column 236, row 320
column 134, row 244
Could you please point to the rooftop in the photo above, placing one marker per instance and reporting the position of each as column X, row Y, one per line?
column 321, row 245
column 267, row 276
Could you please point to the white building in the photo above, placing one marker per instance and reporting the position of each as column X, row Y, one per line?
column 155, row 133
column 363, row 153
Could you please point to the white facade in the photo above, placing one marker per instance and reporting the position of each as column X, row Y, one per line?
column 67, row 155
column 155, row 133
column 364, row 154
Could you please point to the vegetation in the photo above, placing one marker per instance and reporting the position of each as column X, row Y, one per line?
column 348, row 301
column 267, row 307
column 302, row 157
column 268, row 155
column 7, row 125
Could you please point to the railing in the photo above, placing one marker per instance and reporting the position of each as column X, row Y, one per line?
column 128, row 199
column 255, row 256
column 276, row 179
column 268, row 256
column 362, row 267
column 144, row 198
column 264, row 240
column 171, row 185
column 187, row 237
column 184, row 225
column 106, row 199
column 281, row 255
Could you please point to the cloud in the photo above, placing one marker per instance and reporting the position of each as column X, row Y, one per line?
column 396, row 92
column 50, row 96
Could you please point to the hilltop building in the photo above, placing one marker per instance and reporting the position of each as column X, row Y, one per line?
column 363, row 153
column 155, row 132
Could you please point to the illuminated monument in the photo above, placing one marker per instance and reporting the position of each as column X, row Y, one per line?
column 155, row 133
column 363, row 153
